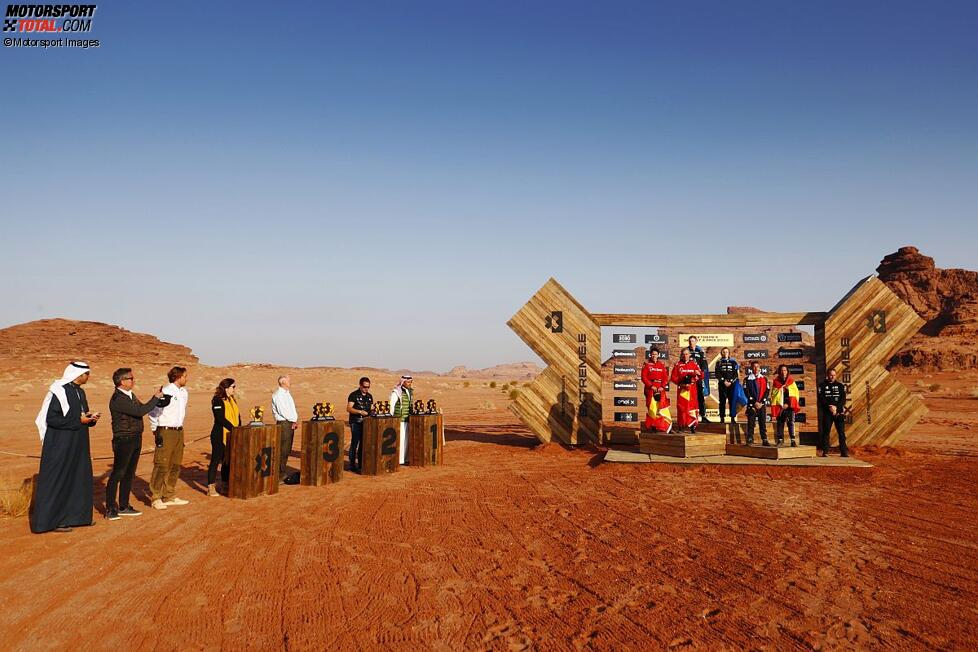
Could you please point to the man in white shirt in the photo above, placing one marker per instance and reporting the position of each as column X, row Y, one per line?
column 167, row 425
column 287, row 419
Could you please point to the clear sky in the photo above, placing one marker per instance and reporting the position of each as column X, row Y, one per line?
column 385, row 184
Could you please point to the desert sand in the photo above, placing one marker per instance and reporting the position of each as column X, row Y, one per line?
column 508, row 545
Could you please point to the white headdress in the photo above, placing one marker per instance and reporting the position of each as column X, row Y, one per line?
column 57, row 389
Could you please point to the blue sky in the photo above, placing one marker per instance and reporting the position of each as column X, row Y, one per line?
column 386, row 183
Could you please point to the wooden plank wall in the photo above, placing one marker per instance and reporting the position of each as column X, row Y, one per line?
column 859, row 336
column 554, row 406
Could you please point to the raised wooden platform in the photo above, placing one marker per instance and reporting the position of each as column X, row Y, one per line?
column 633, row 456
column 771, row 452
column 682, row 445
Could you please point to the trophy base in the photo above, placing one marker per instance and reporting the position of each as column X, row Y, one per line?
column 256, row 423
column 323, row 419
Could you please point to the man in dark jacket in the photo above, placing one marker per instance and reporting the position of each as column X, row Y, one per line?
column 832, row 410
column 127, row 439
column 727, row 372
column 756, row 390
column 698, row 355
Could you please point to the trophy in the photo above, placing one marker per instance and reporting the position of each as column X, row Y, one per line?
column 432, row 406
column 382, row 408
column 256, row 416
column 323, row 412
column 418, row 407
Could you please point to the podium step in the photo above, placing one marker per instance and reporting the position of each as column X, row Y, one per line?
column 771, row 452
column 682, row 445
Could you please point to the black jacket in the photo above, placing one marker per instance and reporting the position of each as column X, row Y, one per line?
column 220, row 419
column 127, row 413
column 832, row 394
column 726, row 369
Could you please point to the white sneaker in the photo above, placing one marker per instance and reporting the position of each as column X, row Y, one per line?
column 176, row 501
column 159, row 504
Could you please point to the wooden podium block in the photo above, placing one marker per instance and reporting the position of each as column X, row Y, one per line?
column 771, row 452
column 426, row 439
column 682, row 445
column 381, row 441
column 622, row 436
column 254, row 454
column 322, row 453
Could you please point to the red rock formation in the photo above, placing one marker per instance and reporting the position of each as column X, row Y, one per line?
column 946, row 298
column 65, row 339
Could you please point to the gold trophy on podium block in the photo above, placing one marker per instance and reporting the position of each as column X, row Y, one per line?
column 418, row 407
column 323, row 412
column 432, row 406
column 257, row 413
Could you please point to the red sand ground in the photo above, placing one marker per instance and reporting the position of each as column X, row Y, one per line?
column 514, row 546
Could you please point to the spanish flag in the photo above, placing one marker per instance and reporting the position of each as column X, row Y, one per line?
column 781, row 390
column 659, row 417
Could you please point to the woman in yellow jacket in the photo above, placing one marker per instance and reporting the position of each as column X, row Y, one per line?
column 226, row 416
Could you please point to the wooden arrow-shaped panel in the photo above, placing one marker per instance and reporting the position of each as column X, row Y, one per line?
column 564, row 402
column 858, row 337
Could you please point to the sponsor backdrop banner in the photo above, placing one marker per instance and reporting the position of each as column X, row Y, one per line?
column 707, row 340
column 623, row 357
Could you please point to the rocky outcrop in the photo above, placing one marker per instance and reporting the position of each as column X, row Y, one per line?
column 66, row 339
column 946, row 298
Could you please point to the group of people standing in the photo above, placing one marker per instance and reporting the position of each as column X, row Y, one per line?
column 63, row 492
column 781, row 396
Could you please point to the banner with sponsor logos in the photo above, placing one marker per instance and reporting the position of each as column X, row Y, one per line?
column 769, row 346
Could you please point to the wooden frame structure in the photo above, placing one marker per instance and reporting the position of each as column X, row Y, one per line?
column 856, row 338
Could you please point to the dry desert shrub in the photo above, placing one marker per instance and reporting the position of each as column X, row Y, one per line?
column 974, row 392
column 487, row 406
column 18, row 407
column 14, row 502
column 492, row 385
column 513, row 393
column 935, row 387
column 465, row 384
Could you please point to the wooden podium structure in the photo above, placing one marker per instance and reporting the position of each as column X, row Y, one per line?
column 253, row 458
column 682, row 445
column 856, row 337
column 381, row 444
column 426, row 439
column 322, row 453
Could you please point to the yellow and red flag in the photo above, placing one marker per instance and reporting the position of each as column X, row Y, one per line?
column 779, row 391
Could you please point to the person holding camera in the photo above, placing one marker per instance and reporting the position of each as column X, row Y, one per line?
column 127, row 439
column 686, row 374
column 167, row 425
column 63, row 493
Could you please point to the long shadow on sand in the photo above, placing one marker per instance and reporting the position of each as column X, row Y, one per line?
column 507, row 435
